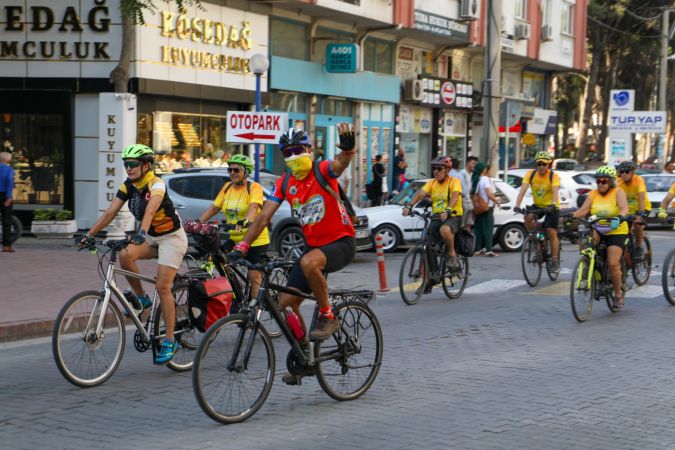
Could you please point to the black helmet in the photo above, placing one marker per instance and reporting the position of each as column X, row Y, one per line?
column 442, row 160
column 627, row 165
column 294, row 136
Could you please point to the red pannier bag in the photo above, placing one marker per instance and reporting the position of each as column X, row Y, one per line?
column 208, row 301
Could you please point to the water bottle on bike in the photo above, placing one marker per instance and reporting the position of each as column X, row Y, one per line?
column 294, row 324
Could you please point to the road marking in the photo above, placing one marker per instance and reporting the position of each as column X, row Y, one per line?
column 558, row 288
column 646, row 291
column 493, row 286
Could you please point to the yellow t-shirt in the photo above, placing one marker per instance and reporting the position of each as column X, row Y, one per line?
column 441, row 193
column 671, row 191
column 542, row 187
column 606, row 206
column 235, row 203
column 637, row 185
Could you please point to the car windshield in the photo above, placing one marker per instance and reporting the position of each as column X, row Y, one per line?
column 659, row 183
column 584, row 178
column 405, row 196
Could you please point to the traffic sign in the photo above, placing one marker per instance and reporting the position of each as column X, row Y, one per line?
column 448, row 93
column 255, row 127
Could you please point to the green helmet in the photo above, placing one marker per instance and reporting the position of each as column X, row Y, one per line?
column 606, row 172
column 243, row 161
column 542, row 156
column 138, row 151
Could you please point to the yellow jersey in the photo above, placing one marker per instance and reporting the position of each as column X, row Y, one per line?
column 632, row 190
column 441, row 194
column 606, row 207
column 671, row 191
column 234, row 205
column 542, row 187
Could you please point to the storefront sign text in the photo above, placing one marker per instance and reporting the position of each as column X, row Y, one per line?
column 442, row 93
column 638, row 121
column 342, row 58
column 445, row 26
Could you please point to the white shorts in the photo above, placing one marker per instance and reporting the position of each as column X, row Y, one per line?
column 169, row 249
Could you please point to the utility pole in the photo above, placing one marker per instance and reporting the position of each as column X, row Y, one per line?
column 492, row 85
column 663, row 79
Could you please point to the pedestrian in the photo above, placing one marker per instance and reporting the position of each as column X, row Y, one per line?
column 455, row 164
column 6, row 190
column 668, row 169
column 465, row 178
column 484, row 223
column 378, row 177
column 345, row 180
column 398, row 171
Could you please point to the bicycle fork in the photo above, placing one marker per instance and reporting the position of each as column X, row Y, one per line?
column 589, row 275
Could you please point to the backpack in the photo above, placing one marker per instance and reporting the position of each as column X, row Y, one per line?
column 229, row 185
column 550, row 176
column 340, row 196
column 208, row 301
column 464, row 242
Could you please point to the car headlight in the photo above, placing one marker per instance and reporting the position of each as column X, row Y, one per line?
column 361, row 221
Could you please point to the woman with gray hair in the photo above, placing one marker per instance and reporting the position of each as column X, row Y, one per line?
column 6, row 190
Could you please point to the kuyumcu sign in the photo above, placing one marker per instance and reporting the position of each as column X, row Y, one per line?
column 637, row 121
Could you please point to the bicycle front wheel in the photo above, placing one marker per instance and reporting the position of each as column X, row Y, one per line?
column 553, row 274
column 642, row 267
column 84, row 357
column 454, row 280
column 413, row 276
column 187, row 336
column 530, row 257
column 668, row 277
column 229, row 386
column 582, row 292
column 348, row 362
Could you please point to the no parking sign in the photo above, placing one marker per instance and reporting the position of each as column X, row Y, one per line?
column 448, row 93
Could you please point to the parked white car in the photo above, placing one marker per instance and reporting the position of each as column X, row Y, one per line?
column 572, row 185
column 657, row 188
column 397, row 230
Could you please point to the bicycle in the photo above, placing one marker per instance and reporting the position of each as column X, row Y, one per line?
column 668, row 273
column 89, row 333
column 536, row 251
column 212, row 257
column 421, row 262
column 234, row 365
column 640, row 265
column 591, row 279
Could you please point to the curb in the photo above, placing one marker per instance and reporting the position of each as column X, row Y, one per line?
column 17, row 331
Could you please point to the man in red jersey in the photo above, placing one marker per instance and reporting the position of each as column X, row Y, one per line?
column 327, row 227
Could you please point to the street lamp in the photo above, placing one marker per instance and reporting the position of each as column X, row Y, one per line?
column 259, row 64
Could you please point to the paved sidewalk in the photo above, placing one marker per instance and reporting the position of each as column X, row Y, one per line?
column 38, row 279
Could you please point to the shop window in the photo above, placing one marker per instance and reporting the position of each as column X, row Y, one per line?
column 288, row 102
column 378, row 56
column 288, row 39
column 335, row 107
column 325, row 36
column 36, row 143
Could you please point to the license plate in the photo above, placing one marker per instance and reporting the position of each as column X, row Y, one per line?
column 360, row 234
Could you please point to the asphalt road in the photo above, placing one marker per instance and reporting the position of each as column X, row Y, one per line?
column 505, row 366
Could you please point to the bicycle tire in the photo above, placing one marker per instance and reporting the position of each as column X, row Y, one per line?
column 188, row 336
column 68, row 334
column 278, row 276
column 668, row 277
column 530, row 258
column 582, row 295
column 642, row 268
column 551, row 274
column 214, row 384
column 453, row 286
column 413, row 275
column 358, row 344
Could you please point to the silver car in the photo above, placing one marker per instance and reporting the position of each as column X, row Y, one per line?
column 193, row 191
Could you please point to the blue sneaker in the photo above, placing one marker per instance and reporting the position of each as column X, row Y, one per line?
column 166, row 351
column 146, row 301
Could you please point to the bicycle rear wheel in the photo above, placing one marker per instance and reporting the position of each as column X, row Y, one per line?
column 454, row 281
column 553, row 275
column 530, row 257
column 227, row 388
column 413, row 276
column 187, row 336
column 641, row 268
column 84, row 359
column 350, row 360
column 668, row 277
column 581, row 292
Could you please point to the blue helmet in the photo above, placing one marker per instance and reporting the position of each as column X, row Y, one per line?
column 294, row 136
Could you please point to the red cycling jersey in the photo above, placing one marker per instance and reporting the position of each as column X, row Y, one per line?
column 323, row 219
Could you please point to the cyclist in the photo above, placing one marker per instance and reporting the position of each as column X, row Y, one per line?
column 663, row 208
column 446, row 201
column 545, row 185
column 328, row 230
column 241, row 201
column 636, row 195
column 159, row 235
column 609, row 202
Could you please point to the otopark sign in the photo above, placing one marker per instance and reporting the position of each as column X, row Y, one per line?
column 246, row 127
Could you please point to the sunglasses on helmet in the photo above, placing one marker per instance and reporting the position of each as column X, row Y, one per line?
column 131, row 164
column 293, row 150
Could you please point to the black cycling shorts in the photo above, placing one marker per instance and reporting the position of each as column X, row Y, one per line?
column 255, row 255
column 551, row 219
column 338, row 255
column 452, row 222
column 614, row 240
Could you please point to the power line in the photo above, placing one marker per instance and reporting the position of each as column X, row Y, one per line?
column 609, row 27
column 637, row 16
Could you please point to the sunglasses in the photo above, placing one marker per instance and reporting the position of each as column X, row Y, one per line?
column 233, row 170
column 542, row 164
column 625, row 171
column 437, row 168
column 131, row 164
column 602, row 181
column 292, row 151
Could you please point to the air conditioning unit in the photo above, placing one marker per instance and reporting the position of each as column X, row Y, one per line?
column 468, row 9
column 547, row 33
column 412, row 90
column 522, row 31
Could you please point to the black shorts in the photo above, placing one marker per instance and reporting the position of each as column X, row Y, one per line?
column 452, row 222
column 614, row 240
column 338, row 255
column 550, row 219
column 255, row 255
